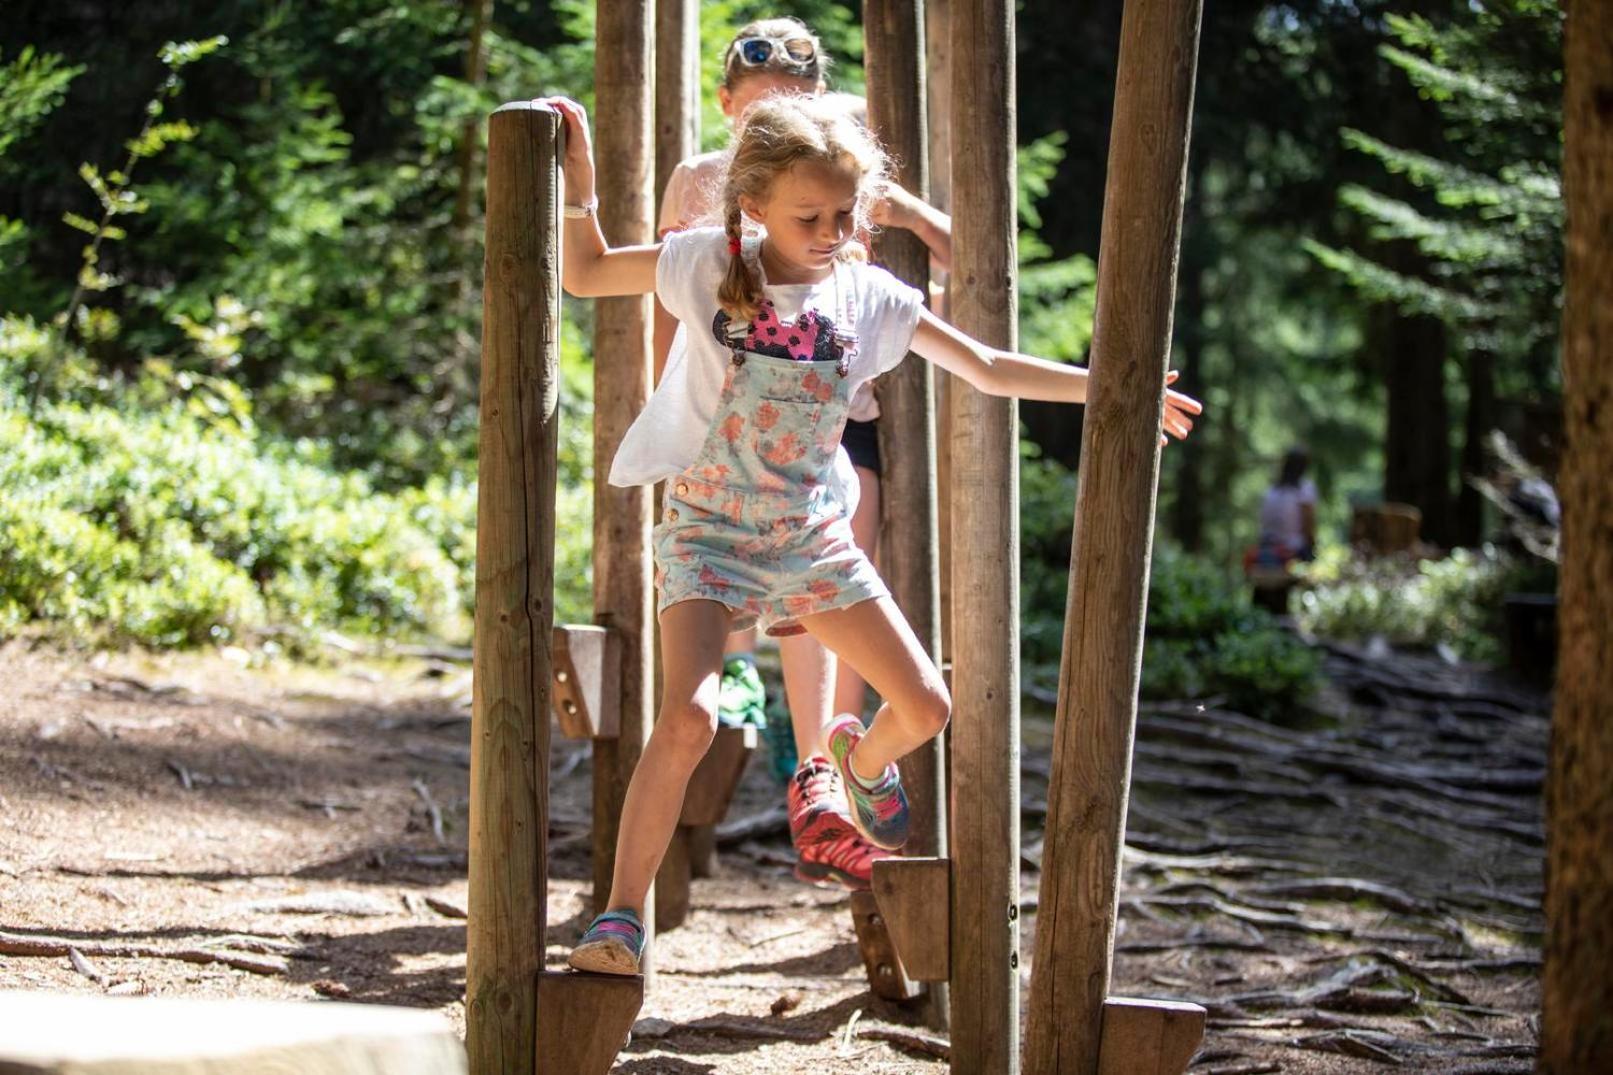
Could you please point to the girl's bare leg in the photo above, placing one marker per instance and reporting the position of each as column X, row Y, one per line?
column 809, row 678
column 692, row 637
column 851, row 693
column 874, row 638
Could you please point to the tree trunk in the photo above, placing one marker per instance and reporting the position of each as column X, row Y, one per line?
column 1577, row 991
column 1417, row 452
column 1480, row 421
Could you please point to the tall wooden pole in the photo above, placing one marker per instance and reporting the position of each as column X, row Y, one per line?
column 985, row 556
column 677, row 85
column 509, row 772
column 622, row 589
column 938, row 94
column 1114, row 523
column 893, row 34
column 1577, row 992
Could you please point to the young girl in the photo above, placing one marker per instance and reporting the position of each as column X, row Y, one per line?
column 783, row 328
column 768, row 57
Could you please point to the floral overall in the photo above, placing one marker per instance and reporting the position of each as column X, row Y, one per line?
column 759, row 521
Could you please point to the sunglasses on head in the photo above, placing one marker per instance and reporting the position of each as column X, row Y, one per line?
column 756, row 51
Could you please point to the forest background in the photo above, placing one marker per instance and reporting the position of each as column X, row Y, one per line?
column 240, row 271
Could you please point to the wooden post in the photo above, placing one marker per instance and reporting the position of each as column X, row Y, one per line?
column 1114, row 523
column 938, row 95
column 509, row 772
column 1576, row 992
column 677, row 86
column 893, row 34
column 985, row 557
column 677, row 134
column 622, row 589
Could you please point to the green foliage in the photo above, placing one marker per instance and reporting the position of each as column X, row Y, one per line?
column 1485, row 211
column 1455, row 602
column 130, row 516
column 1203, row 637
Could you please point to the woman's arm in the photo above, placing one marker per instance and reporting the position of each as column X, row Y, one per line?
column 899, row 209
column 1007, row 373
column 589, row 267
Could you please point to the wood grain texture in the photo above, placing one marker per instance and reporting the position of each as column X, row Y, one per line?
column 985, row 557
column 886, row 978
column 1149, row 1037
column 587, row 662
column 914, row 895
column 509, row 795
column 1577, row 991
column 1114, row 518
column 585, row 1020
column 677, row 86
column 622, row 586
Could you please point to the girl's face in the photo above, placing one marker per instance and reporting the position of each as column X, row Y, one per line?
column 748, row 89
column 809, row 214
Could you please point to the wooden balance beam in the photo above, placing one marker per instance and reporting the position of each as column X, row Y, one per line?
column 51, row 1034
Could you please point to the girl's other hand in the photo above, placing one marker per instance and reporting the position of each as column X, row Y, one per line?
column 893, row 207
column 1179, row 408
column 578, row 163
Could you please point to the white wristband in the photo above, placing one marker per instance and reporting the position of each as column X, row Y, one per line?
column 582, row 212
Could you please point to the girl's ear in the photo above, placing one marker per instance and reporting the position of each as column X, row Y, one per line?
column 726, row 100
column 750, row 207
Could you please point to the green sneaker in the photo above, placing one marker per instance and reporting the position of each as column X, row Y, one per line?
column 741, row 699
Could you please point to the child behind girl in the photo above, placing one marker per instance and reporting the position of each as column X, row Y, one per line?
column 783, row 328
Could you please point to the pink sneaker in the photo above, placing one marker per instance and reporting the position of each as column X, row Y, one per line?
column 829, row 848
column 879, row 811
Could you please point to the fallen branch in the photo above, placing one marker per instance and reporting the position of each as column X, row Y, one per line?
column 13, row 944
column 913, row 1040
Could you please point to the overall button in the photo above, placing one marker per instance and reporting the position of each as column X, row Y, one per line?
column 683, row 488
column 672, row 515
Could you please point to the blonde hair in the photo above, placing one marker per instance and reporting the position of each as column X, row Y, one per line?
column 735, row 70
column 778, row 133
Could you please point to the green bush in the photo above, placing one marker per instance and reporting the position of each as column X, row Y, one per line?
column 1203, row 636
column 1454, row 602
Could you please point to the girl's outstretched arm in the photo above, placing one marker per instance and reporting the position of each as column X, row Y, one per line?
column 589, row 267
column 1007, row 373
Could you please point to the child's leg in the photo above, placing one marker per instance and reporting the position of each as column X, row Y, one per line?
column 874, row 637
column 809, row 678
column 692, row 637
column 851, row 694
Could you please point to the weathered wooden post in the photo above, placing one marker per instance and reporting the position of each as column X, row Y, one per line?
column 1073, row 1025
column 985, row 556
column 1576, row 992
column 510, row 693
column 515, row 659
column 938, row 94
column 622, row 588
column 893, row 34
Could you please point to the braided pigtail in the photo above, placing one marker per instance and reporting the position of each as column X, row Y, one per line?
column 740, row 293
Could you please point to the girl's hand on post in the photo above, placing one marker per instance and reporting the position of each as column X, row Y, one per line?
column 1179, row 408
column 578, row 164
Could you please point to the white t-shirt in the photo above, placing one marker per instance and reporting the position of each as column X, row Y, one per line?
column 1280, row 518
column 668, row 433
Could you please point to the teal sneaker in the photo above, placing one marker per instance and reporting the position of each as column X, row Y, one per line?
column 614, row 944
column 780, row 736
column 741, row 699
column 878, row 811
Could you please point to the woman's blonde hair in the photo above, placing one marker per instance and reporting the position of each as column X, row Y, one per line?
column 735, row 70
column 778, row 133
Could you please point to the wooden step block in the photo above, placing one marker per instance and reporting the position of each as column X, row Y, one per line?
column 583, row 1020
column 885, row 975
column 915, row 896
column 95, row 1035
column 711, row 787
column 1148, row 1037
column 587, row 681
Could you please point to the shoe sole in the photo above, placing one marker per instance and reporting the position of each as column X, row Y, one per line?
column 603, row 957
column 822, row 876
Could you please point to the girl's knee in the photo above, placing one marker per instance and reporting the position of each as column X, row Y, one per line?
column 689, row 725
column 933, row 709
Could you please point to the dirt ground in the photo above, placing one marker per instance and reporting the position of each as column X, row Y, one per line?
column 1354, row 891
